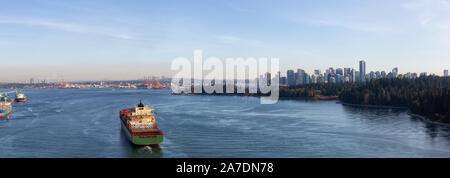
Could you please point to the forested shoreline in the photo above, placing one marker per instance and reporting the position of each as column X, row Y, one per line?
column 426, row 96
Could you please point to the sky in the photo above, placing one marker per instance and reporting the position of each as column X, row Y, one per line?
column 118, row 40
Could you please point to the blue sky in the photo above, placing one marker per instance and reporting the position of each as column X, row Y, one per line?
column 111, row 39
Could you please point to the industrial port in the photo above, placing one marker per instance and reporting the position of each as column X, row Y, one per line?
column 145, row 83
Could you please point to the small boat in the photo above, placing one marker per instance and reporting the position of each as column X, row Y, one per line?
column 143, row 86
column 139, row 125
column 5, row 106
column 20, row 97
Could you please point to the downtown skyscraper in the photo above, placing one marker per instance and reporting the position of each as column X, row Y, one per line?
column 362, row 70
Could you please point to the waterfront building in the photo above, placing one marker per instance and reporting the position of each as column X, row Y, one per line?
column 283, row 81
column 291, row 77
column 307, row 79
column 300, row 77
column 446, row 73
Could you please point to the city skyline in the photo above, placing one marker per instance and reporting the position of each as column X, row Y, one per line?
column 76, row 41
column 346, row 74
column 360, row 72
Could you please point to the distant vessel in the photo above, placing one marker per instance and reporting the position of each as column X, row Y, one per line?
column 5, row 106
column 142, row 86
column 20, row 97
column 140, row 126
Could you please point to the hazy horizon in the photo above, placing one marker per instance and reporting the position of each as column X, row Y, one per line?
column 127, row 40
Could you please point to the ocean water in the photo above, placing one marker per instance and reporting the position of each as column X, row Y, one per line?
column 85, row 123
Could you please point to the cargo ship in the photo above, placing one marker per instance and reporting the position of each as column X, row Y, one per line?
column 5, row 106
column 20, row 97
column 140, row 126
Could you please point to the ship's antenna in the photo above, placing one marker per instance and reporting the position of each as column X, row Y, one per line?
column 140, row 104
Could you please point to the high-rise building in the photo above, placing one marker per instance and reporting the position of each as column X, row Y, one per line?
column 383, row 74
column 372, row 75
column 300, row 77
column 357, row 76
column 290, row 77
column 307, row 79
column 326, row 77
column 347, row 79
column 339, row 71
column 347, row 71
column 395, row 71
column 317, row 72
column 378, row 74
column 313, row 78
column 362, row 70
column 332, row 71
column 283, row 80
column 31, row 80
column 353, row 75
column 446, row 73
column 339, row 78
column 332, row 80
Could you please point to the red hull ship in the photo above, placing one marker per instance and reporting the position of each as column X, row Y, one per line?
column 21, row 98
column 140, row 127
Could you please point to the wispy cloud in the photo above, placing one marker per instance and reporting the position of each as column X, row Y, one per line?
column 70, row 27
column 430, row 13
column 348, row 24
column 230, row 39
column 239, row 7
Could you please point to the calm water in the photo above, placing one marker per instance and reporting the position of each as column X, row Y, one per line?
column 85, row 123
